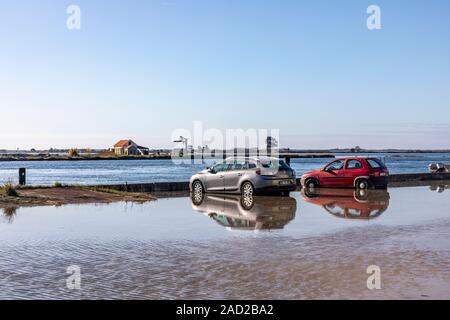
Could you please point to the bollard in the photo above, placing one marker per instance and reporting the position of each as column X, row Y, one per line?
column 288, row 161
column 22, row 176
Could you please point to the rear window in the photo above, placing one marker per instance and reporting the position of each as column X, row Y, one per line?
column 272, row 164
column 376, row 164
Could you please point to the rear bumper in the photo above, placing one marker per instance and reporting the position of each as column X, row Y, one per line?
column 275, row 184
column 379, row 181
column 276, row 188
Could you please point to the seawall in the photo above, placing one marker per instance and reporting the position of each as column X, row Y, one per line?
column 395, row 180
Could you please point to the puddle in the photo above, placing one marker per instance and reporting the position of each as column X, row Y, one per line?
column 309, row 245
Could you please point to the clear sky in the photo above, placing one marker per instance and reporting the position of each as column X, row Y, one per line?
column 142, row 69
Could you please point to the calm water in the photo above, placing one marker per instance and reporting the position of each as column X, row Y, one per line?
column 105, row 172
column 303, row 246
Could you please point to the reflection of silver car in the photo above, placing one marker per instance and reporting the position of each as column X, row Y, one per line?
column 246, row 213
column 246, row 176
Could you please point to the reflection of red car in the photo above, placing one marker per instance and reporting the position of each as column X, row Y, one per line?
column 349, row 204
column 361, row 173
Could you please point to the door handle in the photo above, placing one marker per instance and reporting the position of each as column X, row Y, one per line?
column 222, row 176
column 239, row 174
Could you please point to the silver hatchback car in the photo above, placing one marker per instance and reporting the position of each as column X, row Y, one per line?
column 246, row 176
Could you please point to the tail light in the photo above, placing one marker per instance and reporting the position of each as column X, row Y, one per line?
column 379, row 173
column 258, row 172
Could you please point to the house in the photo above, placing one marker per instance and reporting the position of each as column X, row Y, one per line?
column 128, row 147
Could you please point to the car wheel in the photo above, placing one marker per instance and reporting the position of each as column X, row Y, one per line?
column 311, row 184
column 197, row 187
column 362, row 184
column 247, row 189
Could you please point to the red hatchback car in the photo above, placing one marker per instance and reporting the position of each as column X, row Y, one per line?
column 360, row 173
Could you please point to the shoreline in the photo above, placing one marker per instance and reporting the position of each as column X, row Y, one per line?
column 293, row 154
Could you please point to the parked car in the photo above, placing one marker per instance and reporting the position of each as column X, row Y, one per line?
column 360, row 173
column 349, row 204
column 246, row 176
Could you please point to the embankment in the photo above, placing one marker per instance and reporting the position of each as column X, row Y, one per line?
column 395, row 180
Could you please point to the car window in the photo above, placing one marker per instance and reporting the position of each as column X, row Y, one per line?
column 275, row 164
column 354, row 164
column 268, row 164
column 375, row 163
column 239, row 165
column 251, row 166
column 220, row 167
column 335, row 165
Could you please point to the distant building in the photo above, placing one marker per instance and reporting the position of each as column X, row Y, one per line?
column 129, row 148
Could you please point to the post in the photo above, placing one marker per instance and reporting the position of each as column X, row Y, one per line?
column 288, row 161
column 22, row 176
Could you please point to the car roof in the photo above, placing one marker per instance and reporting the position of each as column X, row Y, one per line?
column 355, row 158
column 262, row 158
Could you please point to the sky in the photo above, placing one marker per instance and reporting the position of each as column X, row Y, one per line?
column 143, row 69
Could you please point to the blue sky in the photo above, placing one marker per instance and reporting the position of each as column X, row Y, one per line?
column 142, row 69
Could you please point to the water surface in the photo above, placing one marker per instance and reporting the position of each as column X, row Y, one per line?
column 136, row 171
column 303, row 246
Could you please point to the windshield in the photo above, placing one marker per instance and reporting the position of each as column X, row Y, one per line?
column 335, row 165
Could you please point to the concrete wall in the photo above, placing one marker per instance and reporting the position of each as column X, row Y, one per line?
column 418, row 177
column 149, row 187
column 394, row 180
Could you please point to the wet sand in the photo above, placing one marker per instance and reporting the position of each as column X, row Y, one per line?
column 57, row 196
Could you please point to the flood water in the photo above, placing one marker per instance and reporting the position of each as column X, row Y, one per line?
column 306, row 246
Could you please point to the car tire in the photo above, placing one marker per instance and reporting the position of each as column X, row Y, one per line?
column 362, row 184
column 197, row 186
column 247, row 189
column 311, row 183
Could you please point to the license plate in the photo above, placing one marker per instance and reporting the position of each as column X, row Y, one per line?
column 285, row 182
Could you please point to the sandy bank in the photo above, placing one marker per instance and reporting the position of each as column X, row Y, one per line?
column 56, row 196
